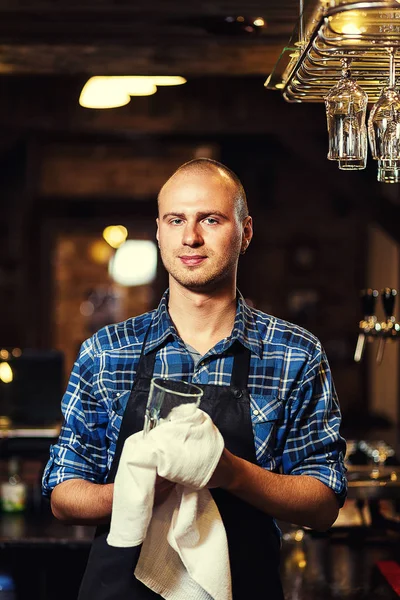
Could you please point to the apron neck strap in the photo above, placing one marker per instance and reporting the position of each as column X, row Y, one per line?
column 241, row 366
column 146, row 361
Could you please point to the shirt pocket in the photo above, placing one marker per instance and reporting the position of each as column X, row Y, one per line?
column 118, row 406
column 266, row 416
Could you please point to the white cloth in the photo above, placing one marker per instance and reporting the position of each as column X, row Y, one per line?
column 185, row 552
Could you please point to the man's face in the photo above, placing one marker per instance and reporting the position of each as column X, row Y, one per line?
column 199, row 233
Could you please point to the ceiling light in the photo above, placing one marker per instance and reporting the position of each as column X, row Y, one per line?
column 168, row 80
column 101, row 92
column 259, row 22
column 112, row 92
column 136, row 86
column 115, row 91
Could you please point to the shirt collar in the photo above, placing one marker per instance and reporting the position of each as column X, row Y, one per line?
column 244, row 328
column 161, row 327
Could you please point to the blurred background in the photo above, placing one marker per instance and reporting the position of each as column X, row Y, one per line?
column 78, row 189
column 68, row 172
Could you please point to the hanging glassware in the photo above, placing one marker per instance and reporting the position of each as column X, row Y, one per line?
column 346, row 106
column 384, row 129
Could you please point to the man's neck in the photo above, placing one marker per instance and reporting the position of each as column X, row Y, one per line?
column 202, row 319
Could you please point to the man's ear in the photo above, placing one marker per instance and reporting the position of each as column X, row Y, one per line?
column 247, row 230
column 157, row 232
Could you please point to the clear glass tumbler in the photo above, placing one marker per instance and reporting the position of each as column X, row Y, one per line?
column 166, row 394
column 389, row 171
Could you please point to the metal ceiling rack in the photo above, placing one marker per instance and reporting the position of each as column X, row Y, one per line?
column 361, row 32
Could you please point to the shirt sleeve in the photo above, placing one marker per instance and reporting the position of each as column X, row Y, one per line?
column 314, row 445
column 80, row 452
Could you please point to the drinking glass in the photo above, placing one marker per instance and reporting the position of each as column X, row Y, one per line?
column 166, row 394
column 349, row 164
column 346, row 106
column 384, row 129
column 389, row 171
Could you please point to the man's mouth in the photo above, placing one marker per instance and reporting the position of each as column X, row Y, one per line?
column 192, row 260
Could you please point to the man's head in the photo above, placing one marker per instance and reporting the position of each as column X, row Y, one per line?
column 203, row 225
column 210, row 167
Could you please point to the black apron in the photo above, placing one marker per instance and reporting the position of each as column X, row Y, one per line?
column 253, row 540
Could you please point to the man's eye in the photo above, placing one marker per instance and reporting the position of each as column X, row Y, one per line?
column 211, row 221
column 176, row 221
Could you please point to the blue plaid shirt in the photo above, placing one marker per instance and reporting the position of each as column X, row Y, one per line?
column 294, row 408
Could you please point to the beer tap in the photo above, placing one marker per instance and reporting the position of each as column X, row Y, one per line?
column 368, row 326
column 390, row 329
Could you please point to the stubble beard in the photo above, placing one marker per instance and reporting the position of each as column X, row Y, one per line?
column 204, row 277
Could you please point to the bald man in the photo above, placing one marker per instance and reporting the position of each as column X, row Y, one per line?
column 266, row 385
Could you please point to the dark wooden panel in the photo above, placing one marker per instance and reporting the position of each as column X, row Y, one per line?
column 171, row 7
column 155, row 37
column 211, row 57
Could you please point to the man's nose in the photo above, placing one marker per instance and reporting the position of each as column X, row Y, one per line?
column 192, row 235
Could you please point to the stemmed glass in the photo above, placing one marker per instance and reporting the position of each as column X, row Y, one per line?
column 346, row 106
column 384, row 129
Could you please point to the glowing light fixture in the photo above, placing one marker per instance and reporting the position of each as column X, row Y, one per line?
column 302, row 564
column 6, row 374
column 134, row 263
column 259, row 22
column 166, row 80
column 100, row 252
column 115, row 235
column 112, row 92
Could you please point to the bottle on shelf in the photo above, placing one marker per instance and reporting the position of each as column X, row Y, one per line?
column 13, row 491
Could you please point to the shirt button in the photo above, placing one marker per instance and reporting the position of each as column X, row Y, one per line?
column 117, row 394
column 237, row 393
column 256, row 412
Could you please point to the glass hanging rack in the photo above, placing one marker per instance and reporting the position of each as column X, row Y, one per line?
column 329, row 32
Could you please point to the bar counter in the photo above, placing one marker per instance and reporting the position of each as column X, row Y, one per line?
column 49, row 557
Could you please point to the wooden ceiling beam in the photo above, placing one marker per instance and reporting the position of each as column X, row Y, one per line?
column 153, row 7
column 211, row 57
column 156, row 37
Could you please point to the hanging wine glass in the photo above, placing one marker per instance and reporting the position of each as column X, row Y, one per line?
column 346, row 106
column 384, row 129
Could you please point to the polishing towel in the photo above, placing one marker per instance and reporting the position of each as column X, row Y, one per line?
column 185, row 551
